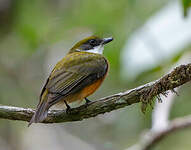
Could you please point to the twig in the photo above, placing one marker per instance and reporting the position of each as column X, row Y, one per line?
column 144, row 94
column 161, row 112
column 151, row 138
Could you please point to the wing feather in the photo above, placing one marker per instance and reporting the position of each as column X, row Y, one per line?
column 69, row 76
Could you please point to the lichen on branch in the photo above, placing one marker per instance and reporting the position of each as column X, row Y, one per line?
column 145, row 94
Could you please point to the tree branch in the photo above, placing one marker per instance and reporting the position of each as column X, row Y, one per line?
column 144, row 94
column 151, row 138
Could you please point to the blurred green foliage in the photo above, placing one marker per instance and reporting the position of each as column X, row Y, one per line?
column 34, row 32
column 186, row 4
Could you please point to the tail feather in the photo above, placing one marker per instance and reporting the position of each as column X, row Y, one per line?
column 40, row 113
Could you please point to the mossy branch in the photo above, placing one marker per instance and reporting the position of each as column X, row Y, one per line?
column 145, row 94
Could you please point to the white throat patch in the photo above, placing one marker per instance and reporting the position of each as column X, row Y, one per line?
column 98, row 49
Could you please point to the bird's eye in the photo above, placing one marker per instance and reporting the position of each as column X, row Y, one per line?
column 92, row 42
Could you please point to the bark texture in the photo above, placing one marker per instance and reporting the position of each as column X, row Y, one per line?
column 145, row 94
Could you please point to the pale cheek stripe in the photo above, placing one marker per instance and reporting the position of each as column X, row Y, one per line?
column 97, row 50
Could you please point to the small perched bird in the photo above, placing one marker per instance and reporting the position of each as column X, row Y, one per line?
column 75, row 77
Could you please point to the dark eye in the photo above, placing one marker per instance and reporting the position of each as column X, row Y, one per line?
column 93, row 42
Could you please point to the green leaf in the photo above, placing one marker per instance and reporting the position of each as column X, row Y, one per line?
column 186, row 4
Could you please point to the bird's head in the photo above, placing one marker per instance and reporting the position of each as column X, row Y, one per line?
column 91, row 44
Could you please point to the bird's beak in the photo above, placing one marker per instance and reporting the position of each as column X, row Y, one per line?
column 107, row 40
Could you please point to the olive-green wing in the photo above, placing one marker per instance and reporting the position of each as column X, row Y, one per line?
column 64, row 82
column 71, row 76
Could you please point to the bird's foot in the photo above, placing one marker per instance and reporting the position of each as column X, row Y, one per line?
column 68, row 107
column 87, row 101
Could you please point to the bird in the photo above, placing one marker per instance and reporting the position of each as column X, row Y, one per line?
column 78, row 75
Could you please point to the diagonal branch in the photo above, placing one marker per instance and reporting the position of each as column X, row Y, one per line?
column 144, row 94
column 151, row 138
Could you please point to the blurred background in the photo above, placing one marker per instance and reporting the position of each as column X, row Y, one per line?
column 151, row 37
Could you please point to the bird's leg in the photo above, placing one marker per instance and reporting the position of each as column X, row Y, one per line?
column 68, row 107
column 87, row 100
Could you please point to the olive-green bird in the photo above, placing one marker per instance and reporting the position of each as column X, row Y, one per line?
column 75, row 77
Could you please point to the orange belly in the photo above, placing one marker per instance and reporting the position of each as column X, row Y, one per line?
column 91, row 88
column 85, row 92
